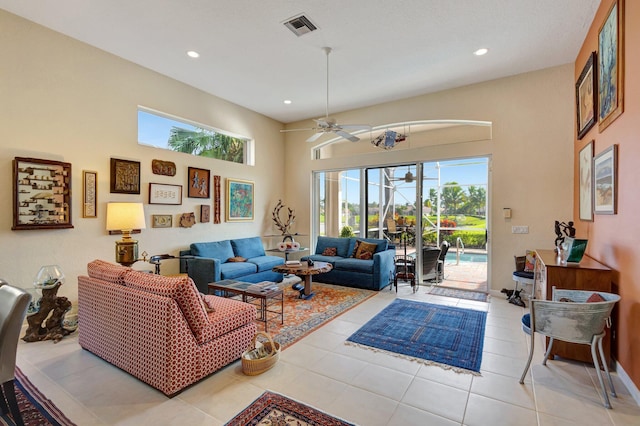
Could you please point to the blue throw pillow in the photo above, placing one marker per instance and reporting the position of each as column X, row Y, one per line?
column 221, row 250
column 340, row 244
column 248, row 247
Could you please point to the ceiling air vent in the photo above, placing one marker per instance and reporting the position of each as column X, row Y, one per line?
column 300, row 25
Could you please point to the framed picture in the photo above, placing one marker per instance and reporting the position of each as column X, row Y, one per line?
column 216, row 199
column 239, row 200
column 611, row 66
column 161, row 221
column 89, row 194
column 199, row 182
column 586, row 182
column 605, row 168
column 125, row 176
column 41, row 194
column 586, row 100
column 162, row 193
column 205, row 213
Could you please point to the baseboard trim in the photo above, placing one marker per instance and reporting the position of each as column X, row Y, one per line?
column 628, row 383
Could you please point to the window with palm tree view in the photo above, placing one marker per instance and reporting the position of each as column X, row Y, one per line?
column 180, row 135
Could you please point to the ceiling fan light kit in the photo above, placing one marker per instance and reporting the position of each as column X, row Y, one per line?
column 329, row 124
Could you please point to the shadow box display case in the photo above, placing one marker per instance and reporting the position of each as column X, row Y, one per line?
column 42, row 194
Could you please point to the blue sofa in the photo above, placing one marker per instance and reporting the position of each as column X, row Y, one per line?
column 211, row 262
column 372, row 274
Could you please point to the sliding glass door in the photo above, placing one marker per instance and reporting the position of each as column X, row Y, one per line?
column 416, row 207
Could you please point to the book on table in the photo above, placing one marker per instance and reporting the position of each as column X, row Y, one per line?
column 263, row 287
column 293, row 263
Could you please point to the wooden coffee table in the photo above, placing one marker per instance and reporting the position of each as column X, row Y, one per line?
column 304, row 271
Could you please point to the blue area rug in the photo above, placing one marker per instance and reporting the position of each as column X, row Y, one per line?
column 434, row 334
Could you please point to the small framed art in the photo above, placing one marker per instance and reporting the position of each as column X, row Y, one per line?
column 199, row 182
column 205, row 213
column 586, row 97
column 239, row 200
column 125, row 176
column 162, row 193
column 586, row 182
column 89, row 193
column 605, row 170
column 161, row 221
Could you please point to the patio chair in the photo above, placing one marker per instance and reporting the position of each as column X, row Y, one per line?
column 575, row 316
column 13, row 308
column 430, row 259
column 392, row 230
column 444, row 248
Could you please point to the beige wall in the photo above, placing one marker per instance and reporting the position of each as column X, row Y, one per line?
column 531, row 151
column 63, row 100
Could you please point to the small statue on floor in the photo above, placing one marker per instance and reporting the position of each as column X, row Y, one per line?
column 508, row 292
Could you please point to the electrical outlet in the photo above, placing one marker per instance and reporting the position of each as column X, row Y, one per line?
column 523, row 229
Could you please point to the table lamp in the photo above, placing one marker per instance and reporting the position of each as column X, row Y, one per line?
column 125, row 217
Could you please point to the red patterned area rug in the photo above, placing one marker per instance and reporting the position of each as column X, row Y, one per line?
column 273, row 409
column 35, row 408
column 301, row 316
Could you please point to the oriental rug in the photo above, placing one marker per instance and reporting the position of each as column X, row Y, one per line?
column 274, row 409
column 301, row 317
column 35, row 408
column 447, row 336
column 458, row 294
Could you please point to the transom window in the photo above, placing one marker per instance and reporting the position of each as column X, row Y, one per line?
column 180, row 135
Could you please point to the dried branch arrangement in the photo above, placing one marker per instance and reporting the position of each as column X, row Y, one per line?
column 284, row 227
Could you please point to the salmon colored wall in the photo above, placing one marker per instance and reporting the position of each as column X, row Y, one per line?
column 614, row 239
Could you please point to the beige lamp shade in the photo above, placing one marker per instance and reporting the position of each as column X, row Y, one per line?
column 125, row 216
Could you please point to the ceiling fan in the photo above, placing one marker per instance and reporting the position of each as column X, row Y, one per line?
column 329, row 124
column 407, row 178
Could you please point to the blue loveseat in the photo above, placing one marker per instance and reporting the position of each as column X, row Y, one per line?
column 211, row 262
column 373, row 274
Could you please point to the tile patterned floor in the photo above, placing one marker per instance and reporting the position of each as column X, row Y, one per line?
column 359, row 385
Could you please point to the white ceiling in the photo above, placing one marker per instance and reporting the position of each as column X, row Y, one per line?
column 382, row 49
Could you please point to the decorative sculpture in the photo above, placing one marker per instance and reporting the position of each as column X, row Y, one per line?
column 284, row 227
column 187, row 220
column 49, row 280
column 563, row 230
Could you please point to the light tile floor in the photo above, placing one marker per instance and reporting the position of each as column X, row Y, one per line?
column 362, row 386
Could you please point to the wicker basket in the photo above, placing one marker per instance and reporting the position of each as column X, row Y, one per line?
column 270, row 352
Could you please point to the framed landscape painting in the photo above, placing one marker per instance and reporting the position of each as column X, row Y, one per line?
column 239, row 200
column 605, row 167
column 611, row 66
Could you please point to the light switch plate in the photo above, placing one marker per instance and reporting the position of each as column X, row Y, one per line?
column 522, row 229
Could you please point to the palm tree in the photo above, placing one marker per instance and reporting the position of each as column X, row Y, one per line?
column 207, row 143
column 452, row 197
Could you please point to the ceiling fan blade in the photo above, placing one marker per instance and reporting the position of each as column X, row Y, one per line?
column 315, row 137
column 356, row 126
column 296, row 130
column 347, row 136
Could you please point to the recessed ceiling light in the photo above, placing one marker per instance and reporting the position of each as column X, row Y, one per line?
column 481, row 52
column 287, row 101
column 193, row 54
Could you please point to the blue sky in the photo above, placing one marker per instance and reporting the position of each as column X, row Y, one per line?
column 154, row 129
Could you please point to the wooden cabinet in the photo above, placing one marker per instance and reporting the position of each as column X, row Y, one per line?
column 589, row 274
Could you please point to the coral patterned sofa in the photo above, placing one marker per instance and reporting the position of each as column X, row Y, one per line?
column 158, row 328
